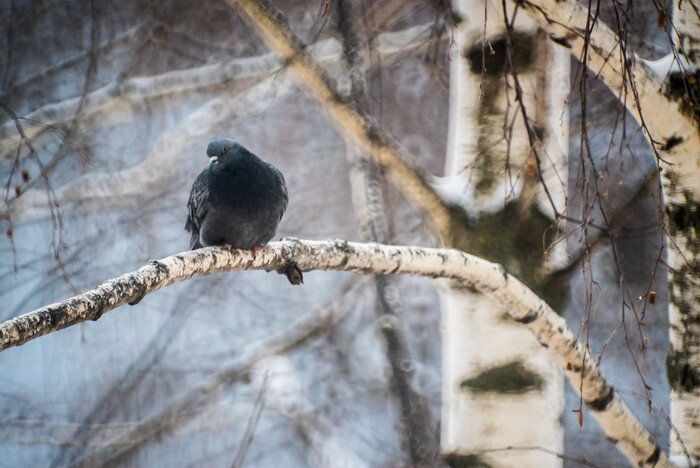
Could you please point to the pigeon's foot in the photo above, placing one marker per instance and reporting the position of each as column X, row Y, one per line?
column 228, row 246
column 257, row 249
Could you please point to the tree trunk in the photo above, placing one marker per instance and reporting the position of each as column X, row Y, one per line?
column 683, row 210
column 494, row 392
column 418, row 430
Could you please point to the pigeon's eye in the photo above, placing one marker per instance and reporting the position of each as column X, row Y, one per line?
column 225, row 149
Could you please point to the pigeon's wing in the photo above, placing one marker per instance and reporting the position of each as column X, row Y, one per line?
column 284, row 199
column 197, row 206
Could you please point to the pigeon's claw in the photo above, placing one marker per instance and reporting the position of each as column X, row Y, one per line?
column 256, row 250
column 228, row 246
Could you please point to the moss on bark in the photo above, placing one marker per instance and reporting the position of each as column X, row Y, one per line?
column 510, row 378
column 515, row 238
column 466, row 461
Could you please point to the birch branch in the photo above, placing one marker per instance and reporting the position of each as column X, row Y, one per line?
column 152, row 174
column 353, row 124
column 673, row 133
column 113, row 98
column 128, row 39
column 615, row 417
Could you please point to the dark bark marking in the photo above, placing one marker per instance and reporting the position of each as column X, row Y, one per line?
column 654, row 457
column 529, row 318
column 494, row 64
column 510, row 378
column 671, row 143
column 562, row 41
column 601, row 403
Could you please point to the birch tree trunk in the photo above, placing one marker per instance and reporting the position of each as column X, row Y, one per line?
column 683, row 209
column 494, row 392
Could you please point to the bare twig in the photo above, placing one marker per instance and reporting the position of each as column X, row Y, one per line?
column 553, row 453
column 237, row 72
column 125, row 385
column 671, row 132
column 252, row 424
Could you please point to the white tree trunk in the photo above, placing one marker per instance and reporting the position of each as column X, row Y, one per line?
column 482, row 408
column 555, row 167
column 683, row 209
column 478, row 345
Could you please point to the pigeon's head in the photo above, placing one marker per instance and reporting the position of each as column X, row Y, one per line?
column 222, row 151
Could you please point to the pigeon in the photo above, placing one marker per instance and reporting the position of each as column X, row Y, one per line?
column 237, row 201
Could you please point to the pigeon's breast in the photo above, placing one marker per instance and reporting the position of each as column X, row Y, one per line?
column 246, row 188
column 247, row 201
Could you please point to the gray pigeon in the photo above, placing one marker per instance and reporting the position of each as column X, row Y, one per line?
column 237, row 202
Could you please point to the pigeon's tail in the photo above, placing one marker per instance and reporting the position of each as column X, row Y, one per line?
column 194, row 241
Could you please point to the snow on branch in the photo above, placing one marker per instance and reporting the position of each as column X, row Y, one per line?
column 618, row 422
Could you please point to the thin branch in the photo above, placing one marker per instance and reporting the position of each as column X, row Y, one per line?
column 619, row 215
column 123, row 186
column 550, row 329
column 671, row 132
column 127, row 383
column 570, row 460
column 352, row 123
column 236, row 73
column 129, row 40
column 158, row 167
column 252, row 424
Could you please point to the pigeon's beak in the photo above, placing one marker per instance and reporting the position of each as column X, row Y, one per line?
column 212, row 159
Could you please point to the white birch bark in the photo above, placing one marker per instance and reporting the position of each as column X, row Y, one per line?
column 683, row 209
column 686, row 29
column 477, row 338
column 555, row 167
column 521, row 304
